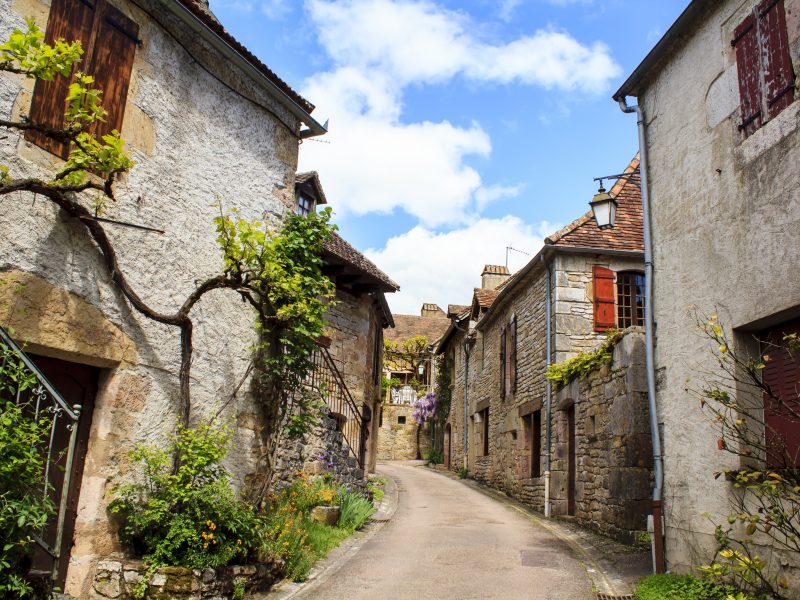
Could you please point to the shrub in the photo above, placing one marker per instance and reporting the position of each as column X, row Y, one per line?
column 190, row 518
column 684, row 587
column 434, row 457
column 354, row 510
column 375, row 487
column 23, row 506
column 463, row 472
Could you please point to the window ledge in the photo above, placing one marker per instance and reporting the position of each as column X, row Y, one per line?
column 769, row 134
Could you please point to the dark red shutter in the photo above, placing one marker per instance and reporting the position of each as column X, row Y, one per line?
column 513, row 353
column 111, row 65
column 776, row 62
column 781, row 375
column 748, row 66
column 604, row 292
column 69, row 20
column 503, row 362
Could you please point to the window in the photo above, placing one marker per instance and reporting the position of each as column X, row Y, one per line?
column 533, row 442
column 630, row 299
column 109, row 41
column 618, row 298
column 484, row 419
column 781, row 374
column 766, row 78
column 305, row 205
column 401, row 420
column 508, row 358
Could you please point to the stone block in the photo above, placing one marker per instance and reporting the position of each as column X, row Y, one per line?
column 327, row 515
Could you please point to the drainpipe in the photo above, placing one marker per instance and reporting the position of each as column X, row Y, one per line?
column 658, row 534
column 548, row 390
column 466, row 387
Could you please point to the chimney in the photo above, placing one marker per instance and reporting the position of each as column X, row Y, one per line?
column 493, row 276
column 431, row 310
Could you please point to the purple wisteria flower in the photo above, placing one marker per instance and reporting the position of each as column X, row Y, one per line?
column 425, row 407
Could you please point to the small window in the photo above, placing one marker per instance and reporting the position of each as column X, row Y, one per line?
column 401, row 420
column 630, row 299
column 485, row 431
column 508, row 358
column 764, row 66
column 305, row 205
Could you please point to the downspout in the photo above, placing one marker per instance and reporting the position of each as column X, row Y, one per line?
column 658, row 534
column 466, row 403
column 548, row 388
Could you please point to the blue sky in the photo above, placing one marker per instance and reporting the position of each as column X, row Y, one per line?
column 456, row 128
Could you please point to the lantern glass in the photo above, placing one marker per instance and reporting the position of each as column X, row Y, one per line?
column 604, row 208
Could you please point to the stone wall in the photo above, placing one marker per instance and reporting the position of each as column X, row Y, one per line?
column 726, row 236
column 116, row 580
column 613, row 450
column 402, row 441
column 194, row 141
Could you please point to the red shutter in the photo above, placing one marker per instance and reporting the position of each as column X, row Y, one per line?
column 604, row 292
column 776, row 62
column 513, row 353
column 781, row 375
column 503, row 362
column 748, row 66
column 111, row 65
column 69, row 20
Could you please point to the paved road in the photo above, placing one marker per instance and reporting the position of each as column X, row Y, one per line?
column 447, row 541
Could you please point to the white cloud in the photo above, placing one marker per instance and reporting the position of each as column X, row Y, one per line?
column 445, row 267
column 507, row 8
column 422, row 42
column 374, row 162
column 275, row 9
column 486, row 195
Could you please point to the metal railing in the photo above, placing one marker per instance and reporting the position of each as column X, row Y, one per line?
column 44, row 402
column 328, row 381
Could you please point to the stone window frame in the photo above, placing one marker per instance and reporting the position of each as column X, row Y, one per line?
column 305, row 205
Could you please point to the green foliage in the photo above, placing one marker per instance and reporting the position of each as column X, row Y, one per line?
column 238, row 589
column 434, row 456
column 406, row 355
column 463, row 472
column 585, row 363
column 684, row 587
column 190, row 518
column 375, row 487
column 25, row 52
column 23, row 507
column 354, row 510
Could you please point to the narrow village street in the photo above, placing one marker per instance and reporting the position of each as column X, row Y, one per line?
column 448, row 541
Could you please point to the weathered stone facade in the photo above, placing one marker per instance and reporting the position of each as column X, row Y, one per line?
column 613, row 451
column 401, row 438
column 726, row 240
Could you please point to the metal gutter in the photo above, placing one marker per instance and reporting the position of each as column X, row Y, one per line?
column 645, row 68
column 229, row 52
column 548, row 386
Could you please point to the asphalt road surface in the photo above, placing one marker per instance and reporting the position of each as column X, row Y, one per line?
column 448, row 541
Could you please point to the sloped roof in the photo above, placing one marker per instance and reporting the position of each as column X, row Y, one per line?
column 485, row 298
column 408, row 326
column 338, row 251
column 628, row 230
column 311, row 179
column 202, row 13
column 456, row 310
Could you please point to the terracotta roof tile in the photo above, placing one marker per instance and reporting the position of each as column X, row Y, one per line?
column 408, row 326
column 456, row 310
column 211, row 22
column 311, row 178
column 495, row 270
column 338, row 247
column 485, row 298
column 627, row 233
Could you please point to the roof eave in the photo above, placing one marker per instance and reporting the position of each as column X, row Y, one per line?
column 678, row 28
column 193, row 21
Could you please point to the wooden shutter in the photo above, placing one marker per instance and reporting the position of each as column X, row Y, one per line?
column 603, row 285
column 112, row 62
column 776, row 62
column 69, row 20
column 503, row 362
column 781, row 375
column 513, row 355
column 748, row 66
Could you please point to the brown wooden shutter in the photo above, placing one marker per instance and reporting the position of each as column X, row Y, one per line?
column 69, row 20
column 748, row 66
column 781, row 374
column 604, row 292
column 776, row 62
column 503, row 362
column 513, row 353
column 111, row 65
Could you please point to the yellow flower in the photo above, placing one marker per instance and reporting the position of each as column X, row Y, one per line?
column 723, row 348
column 205, row 545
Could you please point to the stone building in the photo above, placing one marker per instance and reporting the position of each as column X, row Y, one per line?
column 719, row 113
column 205, row 121
column 412, row 369
column 584, row 282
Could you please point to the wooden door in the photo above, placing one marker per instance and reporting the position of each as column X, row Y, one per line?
column 571, row 474
column 447, row 433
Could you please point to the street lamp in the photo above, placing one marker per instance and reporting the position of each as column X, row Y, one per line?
column 604, row 208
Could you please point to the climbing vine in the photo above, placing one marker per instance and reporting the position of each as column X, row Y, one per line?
column 278, row 272
column 584, row 363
